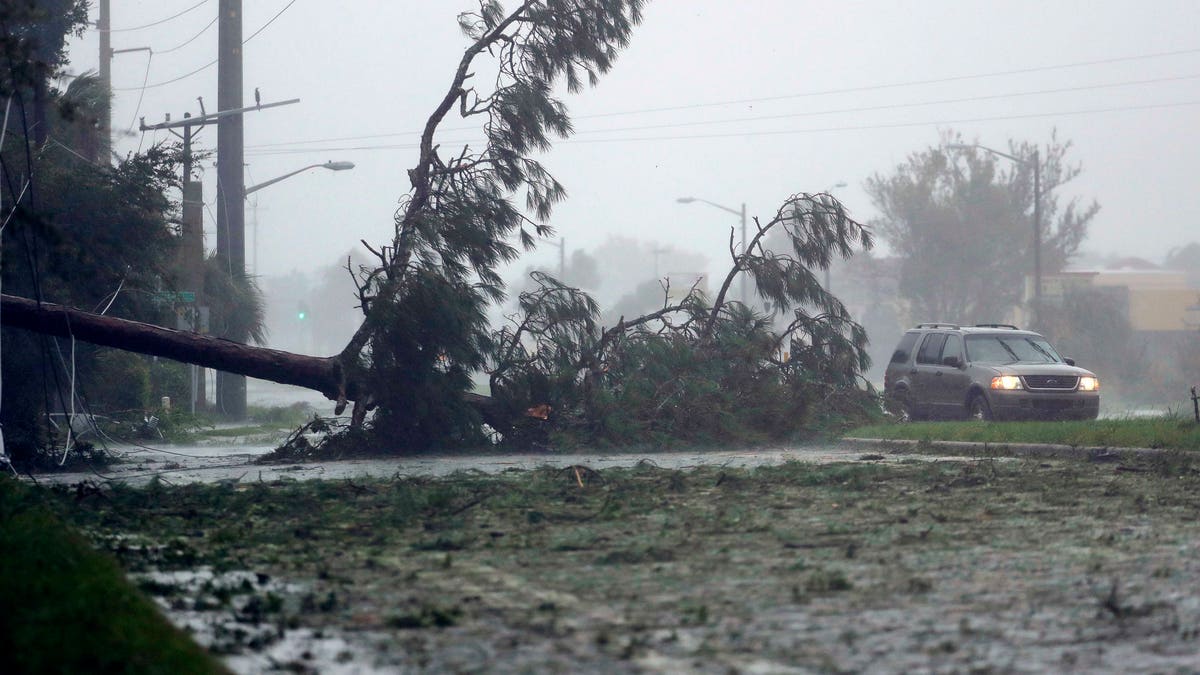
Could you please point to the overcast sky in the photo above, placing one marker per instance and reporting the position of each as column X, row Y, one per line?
column 733, row 102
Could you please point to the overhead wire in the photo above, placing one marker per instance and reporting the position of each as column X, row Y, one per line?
column 156, row 23
column 907, row 83
column 756, row 118
column 748, row 134
column 269, row 22
column 189, row 40
column 142, row 95
column 210, row 63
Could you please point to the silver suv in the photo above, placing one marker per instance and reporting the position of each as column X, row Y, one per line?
column 989, row 371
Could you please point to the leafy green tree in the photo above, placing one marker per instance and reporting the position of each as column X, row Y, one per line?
column 960, row 219
column 77, row 231
column 34, row 48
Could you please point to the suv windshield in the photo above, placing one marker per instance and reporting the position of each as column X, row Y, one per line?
column 1010, row 349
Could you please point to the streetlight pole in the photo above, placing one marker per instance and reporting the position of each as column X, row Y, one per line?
column 561, row 245
column 1037, row 218
column 332, row 166
column 741, row 214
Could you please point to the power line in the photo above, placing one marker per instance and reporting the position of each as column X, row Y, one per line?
column 264, row 26
column 747, row 134
column 206, row 66
column 899, row 125
column 142, row 95
column 210, row 64
column 812, row 113
column 160, row 21
column 894, row 85
column 191, row 39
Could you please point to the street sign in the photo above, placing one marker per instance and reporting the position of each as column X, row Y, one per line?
column 175, row 296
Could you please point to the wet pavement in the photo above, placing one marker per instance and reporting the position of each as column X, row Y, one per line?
column 216, row 463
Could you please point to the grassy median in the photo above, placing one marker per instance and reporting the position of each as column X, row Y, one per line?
column 1172, row 432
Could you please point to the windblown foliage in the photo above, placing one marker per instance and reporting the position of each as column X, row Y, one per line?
column 425, row 327
column 695, row 370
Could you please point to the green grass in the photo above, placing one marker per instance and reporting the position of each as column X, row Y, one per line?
column 1173, row 432
column 66, row 608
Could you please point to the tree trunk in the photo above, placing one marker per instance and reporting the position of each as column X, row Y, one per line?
column 323, row 374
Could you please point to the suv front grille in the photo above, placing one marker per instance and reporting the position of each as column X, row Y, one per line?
column 1051, row 381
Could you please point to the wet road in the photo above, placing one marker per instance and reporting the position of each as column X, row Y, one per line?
column 211, row 464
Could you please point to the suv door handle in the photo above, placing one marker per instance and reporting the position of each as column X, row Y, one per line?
column 938, row 374
column 913, row 371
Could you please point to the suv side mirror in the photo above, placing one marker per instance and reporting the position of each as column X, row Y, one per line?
column 952, row 361
column 1069, row 361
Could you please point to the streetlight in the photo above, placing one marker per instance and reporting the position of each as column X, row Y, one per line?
column 741, row 214
column 331, row 165
column 1037, row 217
column 231, row 388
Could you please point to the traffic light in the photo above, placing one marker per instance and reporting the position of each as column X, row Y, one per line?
column 302, row 310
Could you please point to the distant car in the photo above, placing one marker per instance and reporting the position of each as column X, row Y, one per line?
column 985, row 372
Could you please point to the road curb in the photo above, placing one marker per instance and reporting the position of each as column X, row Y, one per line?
column 1033, row 450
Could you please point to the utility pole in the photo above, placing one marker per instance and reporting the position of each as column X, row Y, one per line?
column 1037, row 240
column 191, row 261
column 231, row 214
column 191, row 258
column 562, row 256
column 104, row 26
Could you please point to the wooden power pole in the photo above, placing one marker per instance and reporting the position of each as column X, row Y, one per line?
column 231, row 187
column 104, row 27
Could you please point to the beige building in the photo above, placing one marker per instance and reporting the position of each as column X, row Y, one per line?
column 1158, row 300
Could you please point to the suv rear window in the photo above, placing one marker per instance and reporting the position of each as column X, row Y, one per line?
column 904, row 349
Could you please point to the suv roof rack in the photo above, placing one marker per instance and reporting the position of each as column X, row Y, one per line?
column 938, row 325
column 996, row 325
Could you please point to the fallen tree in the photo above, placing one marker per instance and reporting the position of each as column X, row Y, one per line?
column 425, row 327
column 717, row 368
column 322, row 374
column 312, row 372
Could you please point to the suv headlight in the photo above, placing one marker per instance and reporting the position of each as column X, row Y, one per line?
column 1089, row 383
column 1006, row 382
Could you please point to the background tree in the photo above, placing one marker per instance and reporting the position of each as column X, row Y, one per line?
column 69, row 223
column 960, row 220
column 1187, row 259
column 34, row 46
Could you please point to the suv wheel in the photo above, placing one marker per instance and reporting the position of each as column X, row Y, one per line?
column 978, row 409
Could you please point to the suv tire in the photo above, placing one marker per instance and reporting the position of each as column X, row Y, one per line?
column 978, row 409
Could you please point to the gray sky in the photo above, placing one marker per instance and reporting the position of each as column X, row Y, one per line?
column 726, row 101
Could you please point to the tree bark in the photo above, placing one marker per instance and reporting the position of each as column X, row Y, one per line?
column 323, row 374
